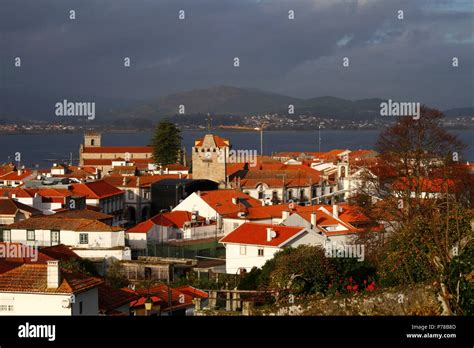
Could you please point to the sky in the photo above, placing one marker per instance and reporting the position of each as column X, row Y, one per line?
column 407, row 59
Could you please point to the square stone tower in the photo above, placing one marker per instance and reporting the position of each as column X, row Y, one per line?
column 210, row 158
column 92, row 139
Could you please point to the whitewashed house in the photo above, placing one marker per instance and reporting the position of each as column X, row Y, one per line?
column 88, row 238
column 46, row 289
column 253, row 244
column 217, row 205
column 169, row 226
column 102, row 195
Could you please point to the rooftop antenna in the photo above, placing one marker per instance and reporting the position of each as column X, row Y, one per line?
column 319, row 137
column 209, row 120
column 262, row 126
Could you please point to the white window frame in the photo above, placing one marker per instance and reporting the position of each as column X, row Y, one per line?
column 243, row 250
column 7, row 233
column 28, row 236
column 81, row 236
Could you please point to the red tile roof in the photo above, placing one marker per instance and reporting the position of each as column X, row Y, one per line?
column 59, row 252
column 160, row 294
column 21, row 259
column 18, row 192
column 110, row 298
column 175, row 166
column 192, row 291
column 16, row 175
column 108, row 161
column 68, row 224
column 220, row 142
column 118, row 149
column 134, row 181
column 81, row 214
column 256, row 234
column 221, row 201
column 11, row 207
column 175, row 218
column 97, row 189
column 32, row 278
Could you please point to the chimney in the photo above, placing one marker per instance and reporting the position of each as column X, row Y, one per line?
column 19, row 172
column 124, row 181
column 198, row 193
column 138, row 181
column 285, row 214
column 53, row 274
column 313, row 220
column 270, row 234
column 167, row 170
column 335, row 211
column 180, row 175
column 235, row 200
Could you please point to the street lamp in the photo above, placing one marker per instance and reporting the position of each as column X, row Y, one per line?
column 148, row 305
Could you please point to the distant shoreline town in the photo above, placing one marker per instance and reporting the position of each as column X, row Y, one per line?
column 248, row 125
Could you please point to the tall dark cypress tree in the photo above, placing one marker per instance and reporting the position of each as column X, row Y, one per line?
column 166, row 142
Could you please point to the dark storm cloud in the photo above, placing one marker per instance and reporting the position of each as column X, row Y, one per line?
column 407, row 59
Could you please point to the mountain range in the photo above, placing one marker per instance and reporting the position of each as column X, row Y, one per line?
column 215, row 100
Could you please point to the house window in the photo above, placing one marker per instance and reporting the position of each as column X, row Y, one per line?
column 243, row 250
column 83, row 238
column 80, row 307
column 30, row 235
column 260, row 195
column 6, row 236
column 260, row 252
column 290, row 194
column 130, row 194
column 147, row 273
column 6, row 308
column 179, row 235
column 54, row 237
column 275, row 196
column 147, row 194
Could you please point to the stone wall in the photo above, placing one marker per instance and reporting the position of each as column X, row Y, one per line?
column 413, row 300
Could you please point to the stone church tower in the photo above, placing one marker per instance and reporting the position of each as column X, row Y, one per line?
column 92, row 139
column 209, row 158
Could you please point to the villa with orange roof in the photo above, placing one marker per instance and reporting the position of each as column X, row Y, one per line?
column 48, row 289
column 218, row 204
column 15, row 177
column 88, row 238
column 253, row 244
column 174, row 226
column 103, row 196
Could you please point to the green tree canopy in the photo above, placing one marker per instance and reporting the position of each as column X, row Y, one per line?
column 166, row 143
column 304, row 269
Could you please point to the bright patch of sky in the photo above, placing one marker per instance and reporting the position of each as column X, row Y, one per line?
column 447, row 5
column 345, row 40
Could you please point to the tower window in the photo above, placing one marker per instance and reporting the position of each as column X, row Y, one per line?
column 92, row 142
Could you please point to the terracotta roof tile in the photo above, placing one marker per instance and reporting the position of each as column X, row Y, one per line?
column 118, row 149
column 256, row 234
column 32, row 278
